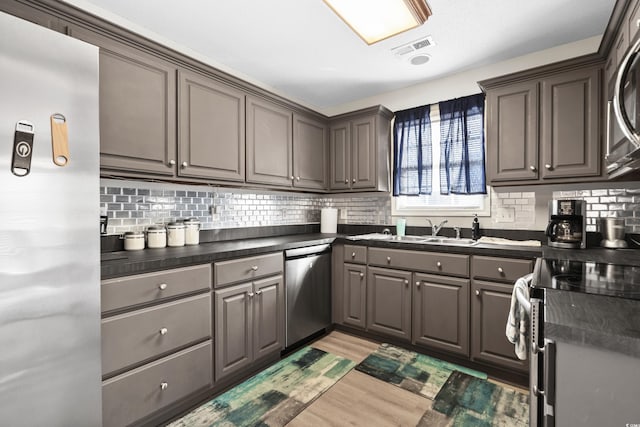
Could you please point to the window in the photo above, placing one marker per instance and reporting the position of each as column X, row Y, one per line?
column 459, row 170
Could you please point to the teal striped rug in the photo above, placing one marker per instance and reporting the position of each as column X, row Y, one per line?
column 274, row 396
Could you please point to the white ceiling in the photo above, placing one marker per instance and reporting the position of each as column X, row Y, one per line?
column 301, row 49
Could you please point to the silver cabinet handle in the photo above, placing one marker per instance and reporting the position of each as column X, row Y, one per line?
column 361, row 275
column 353, row 254
column 500, row 270
column 547, row 166
column 162, row 286
column 388, row 259
column 638, row 23
column 291, row 177
column 172, row 162
column 406, row 281
column 533, row 168
column 163, row 331
column 250, row 294
column 417, row 284
column 438, row 264
column 297, row 178
column 353, row 180
column 346, row 181
column 254, row 268
column 185, row 164
column 477, row 292
column 537, row 391
column 164, row 385
column 310, row 265
column 258, row 292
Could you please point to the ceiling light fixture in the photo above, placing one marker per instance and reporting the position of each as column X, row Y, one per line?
column 375, row 20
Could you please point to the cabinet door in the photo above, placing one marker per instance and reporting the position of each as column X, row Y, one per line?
column 490, row 303
column 269, row 143
column 309, row 153
column 340, row 156
column 137, row 113
column 441, row 313
column 268, row 316
column 512, row 134
column 570, row 139
column 233, row 326
column 211, row 123
column 363, row 151
column 355, row 293
column 389, row 302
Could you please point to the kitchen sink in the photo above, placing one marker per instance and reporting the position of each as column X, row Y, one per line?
column 449, row 241
column 417, row 239
column 414, row 239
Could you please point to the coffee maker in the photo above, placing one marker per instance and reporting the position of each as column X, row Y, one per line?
column 567, row 224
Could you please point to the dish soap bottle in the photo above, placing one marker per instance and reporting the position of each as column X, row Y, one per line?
column 475, row 228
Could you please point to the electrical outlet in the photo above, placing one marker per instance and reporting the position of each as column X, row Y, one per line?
column 505, row 215
column 343, row 213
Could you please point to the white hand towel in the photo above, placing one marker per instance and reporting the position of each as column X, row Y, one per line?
column 517, row 330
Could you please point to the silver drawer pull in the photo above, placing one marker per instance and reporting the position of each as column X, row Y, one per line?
column 417, row 284
column 406, row 281
column 164, row 385
column 346, row 181
column 438, row 264
column 250, row 294
column 353, row 254
column 163, row 331
column 500, row 270
column 162, row 286
column 533, row 168
column 254, row 268
column 477, row 292
column 361, row 275
column 388, row 259
column 258, row 292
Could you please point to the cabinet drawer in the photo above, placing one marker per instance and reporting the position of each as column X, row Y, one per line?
column 355, row 254
column 431, row 262
column 144, row 288
column 135, row 337
column 247, row 269
column 501, row 269
column 137, row 393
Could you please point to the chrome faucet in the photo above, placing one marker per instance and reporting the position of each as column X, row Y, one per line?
column 457, row 230
column 435, row 229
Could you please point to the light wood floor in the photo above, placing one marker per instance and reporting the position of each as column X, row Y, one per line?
column 359, row 399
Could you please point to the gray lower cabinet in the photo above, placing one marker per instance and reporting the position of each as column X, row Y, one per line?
column 354, row 300
column 491, row 287
column 389, row 302
column 441, row 312
column 249, row 323
column 211, row 126
column 156, row 341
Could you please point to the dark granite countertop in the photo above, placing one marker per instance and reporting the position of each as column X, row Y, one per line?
column 596, row 254
column 599, row 321
column 123, row 263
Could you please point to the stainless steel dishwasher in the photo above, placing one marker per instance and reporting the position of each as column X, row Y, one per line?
column 308, row 291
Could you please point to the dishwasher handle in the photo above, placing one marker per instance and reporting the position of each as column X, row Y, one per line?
column 306, row 251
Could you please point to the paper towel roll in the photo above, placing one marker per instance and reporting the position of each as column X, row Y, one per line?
column 329, row 220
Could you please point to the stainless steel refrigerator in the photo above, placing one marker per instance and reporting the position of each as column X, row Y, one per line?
column 49, row 229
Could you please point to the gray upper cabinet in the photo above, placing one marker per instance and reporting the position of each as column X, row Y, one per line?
column 211, row 129
column 570, row 131
column 512, row 117
column 544, row 124
column 137, row 113
column 269, row 143
column 309, row 153
column 359, row 147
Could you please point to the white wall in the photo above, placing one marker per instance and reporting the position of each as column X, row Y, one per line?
column 465, row 83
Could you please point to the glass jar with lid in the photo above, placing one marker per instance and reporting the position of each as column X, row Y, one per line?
column 175, row 234
column 133, row 240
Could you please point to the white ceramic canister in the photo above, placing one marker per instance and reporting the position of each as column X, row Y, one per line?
column 156, row 237
column 133, row 240
column 175, row 234
column 192, row 231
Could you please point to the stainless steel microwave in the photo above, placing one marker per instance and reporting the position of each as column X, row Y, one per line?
column 623, row 117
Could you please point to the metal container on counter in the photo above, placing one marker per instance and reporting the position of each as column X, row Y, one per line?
column 133, row 240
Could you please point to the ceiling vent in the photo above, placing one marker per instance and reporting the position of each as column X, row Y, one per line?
column 413, row 48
